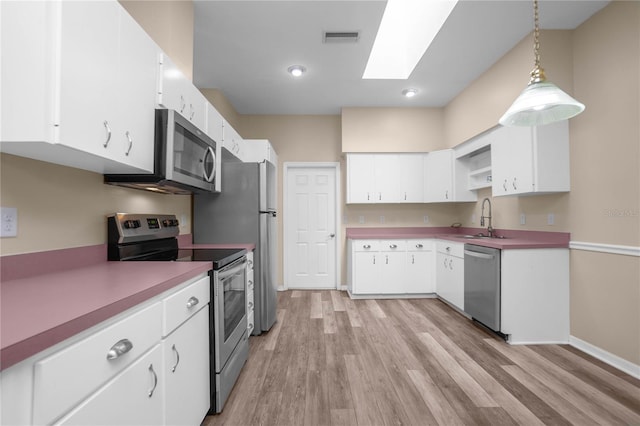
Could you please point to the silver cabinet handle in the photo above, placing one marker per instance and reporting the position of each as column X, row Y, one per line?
column 504, row 185
column 451, row 264
column 445, row 262
column 120, row 348
column 193, row 301
column 419, row 246
column 106, row 126
column 514, row 184
column 128, row 135
column 155, row 381
column 368, row 198
column 413, row 259
column 446, row 194
column 366, row 246
column 182, row 104
column 405, row 196
column 380, row 196
column 374, row 259
column 386, row 260
column 173, row 369
column 393, row 246
column 193, row 112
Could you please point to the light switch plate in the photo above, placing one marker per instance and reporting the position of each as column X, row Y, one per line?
column 523, row 219
column 381, row 219
column 425, row 218
column 361, row 220
column 9, row 222
column 551, row 219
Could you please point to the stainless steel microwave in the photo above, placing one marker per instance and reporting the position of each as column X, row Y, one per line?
column 185, row 159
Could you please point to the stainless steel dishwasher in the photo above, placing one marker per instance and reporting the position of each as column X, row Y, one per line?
column 482, row 284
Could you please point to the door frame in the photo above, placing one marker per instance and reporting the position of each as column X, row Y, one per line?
column 285, row 205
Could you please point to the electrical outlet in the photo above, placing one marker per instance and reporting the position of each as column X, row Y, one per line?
column 9, row 222
column 551, row 219
column 361, row 220
column 345, row 219
column 473, row 218
column 523, row 219
column 381, row 219
column 425, row 218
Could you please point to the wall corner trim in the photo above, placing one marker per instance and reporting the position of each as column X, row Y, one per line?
column 605, row 248
column 606, row 357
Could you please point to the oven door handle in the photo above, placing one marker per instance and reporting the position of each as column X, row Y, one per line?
column 232, row 269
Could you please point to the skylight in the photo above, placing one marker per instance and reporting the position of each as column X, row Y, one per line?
column 407, row 29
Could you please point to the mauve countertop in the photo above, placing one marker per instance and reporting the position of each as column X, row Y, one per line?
column 514, row 239
column 47, row 297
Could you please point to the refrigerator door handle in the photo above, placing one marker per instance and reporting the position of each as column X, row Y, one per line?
column 271, row 212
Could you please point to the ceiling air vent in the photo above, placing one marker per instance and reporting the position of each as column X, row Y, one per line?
column 341, row 36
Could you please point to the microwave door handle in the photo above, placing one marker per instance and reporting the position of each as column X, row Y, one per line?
column 209, row 176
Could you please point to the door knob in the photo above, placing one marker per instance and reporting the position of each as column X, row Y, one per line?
column 332, row 235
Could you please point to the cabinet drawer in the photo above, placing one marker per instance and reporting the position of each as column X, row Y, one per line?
column 420, row 245
column 70, row 375
column 393, row 245
column 184, row 303
column 366, row 245
column 449, row 247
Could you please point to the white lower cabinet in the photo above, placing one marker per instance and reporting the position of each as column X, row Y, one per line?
column 133, row 397
column 186, row 371
column 450, row 272
column 148, row 365
column 390, row 267
column 249, row 290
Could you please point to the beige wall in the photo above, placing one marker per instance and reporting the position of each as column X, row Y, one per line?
column 170, row 24
column 604, row 203
column 62, row 207
column 223, row 106
column 392, row 129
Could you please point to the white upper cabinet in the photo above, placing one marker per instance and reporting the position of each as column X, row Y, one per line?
column 445, row 178
column 176, row 92
column 258, row 150
column 384, row 178
column 232, row 142
column 531, row 160
column 79, row 83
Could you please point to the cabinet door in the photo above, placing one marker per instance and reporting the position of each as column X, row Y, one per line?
column 411, row 175
column 134, row 397
column 87, row 62
column 231, row 140
column 360, row 178
column 512, row 161
column 419, row 272
column 393, row 276
column 438, row 176
column 178, row 93
column 450, row 279
column 186, row 369
column 134, row 138
column 386, row 178
column 366, row 273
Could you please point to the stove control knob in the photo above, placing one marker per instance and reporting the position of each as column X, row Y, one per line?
column 167, row 223
column 131, row 224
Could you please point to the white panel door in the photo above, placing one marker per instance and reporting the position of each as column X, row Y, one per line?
column 310, row 221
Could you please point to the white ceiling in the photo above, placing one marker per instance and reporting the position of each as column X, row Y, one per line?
column 243, row 48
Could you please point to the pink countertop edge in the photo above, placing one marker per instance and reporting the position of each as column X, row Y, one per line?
column 514, row 239
column 47, row 297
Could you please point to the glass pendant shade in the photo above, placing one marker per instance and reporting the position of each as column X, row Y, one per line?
column 539, row 104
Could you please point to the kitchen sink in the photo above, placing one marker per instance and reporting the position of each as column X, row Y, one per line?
column 479, row 237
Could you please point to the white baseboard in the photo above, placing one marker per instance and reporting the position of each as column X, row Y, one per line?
column 606, row 357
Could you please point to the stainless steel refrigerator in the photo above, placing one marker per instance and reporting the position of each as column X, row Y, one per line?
column 245, row 212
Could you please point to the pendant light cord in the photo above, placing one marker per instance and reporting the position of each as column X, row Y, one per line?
column 537, row 74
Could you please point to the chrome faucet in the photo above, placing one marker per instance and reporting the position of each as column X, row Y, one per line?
column 483, row 217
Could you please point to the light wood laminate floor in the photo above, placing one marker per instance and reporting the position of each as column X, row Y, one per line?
column 331, row 360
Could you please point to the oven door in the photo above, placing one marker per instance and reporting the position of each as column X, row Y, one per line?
column 230, row 310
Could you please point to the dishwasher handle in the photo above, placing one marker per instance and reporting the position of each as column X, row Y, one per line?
column 478, row 255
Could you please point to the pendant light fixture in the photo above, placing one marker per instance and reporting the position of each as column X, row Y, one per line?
column 541, row 102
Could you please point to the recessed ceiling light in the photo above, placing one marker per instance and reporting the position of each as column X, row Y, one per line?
column 410, row 93
column 296, row 70
column 407, row 29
